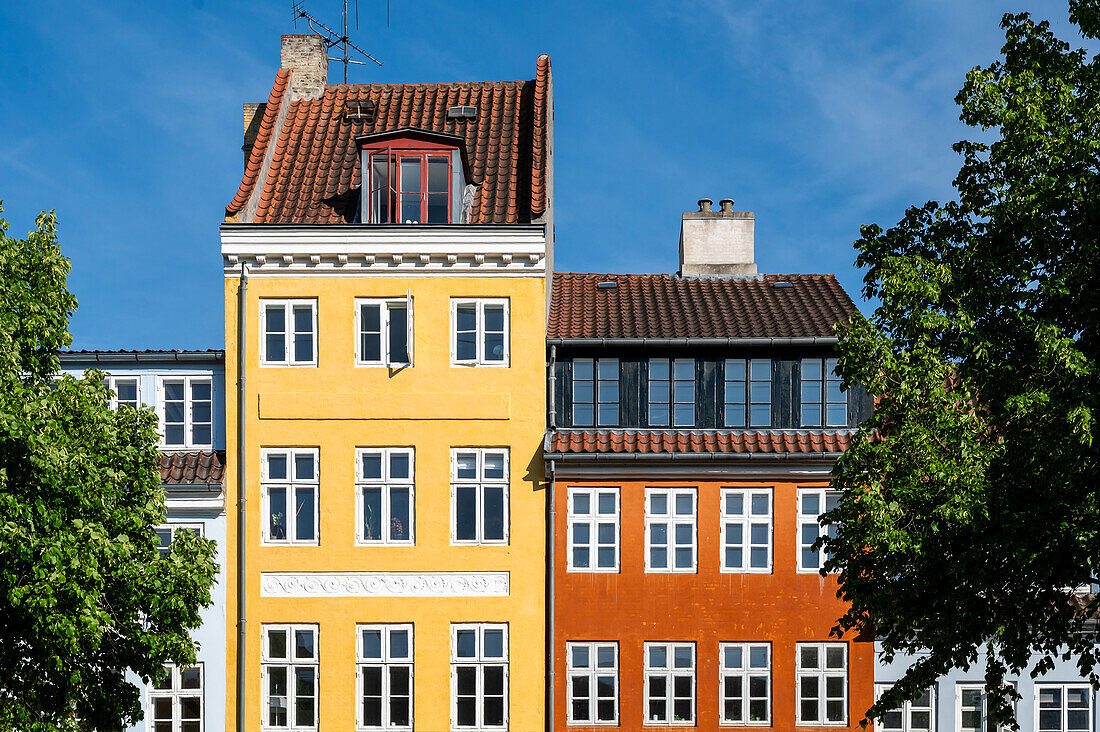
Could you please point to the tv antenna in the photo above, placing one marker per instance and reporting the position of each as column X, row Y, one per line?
column 333, row 39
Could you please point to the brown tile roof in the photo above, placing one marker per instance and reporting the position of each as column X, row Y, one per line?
column 182, row 468
column 315, row 174
column 631, row 441
column 667, row 306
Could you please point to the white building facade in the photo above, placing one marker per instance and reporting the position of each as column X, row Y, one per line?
column 186, row 389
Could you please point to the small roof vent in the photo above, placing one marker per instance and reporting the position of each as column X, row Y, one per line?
column 462, row 112
column 607, row 285
column 782, row 284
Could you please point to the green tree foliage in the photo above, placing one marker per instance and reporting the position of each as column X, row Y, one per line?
column 84, row 593
column 971, row 500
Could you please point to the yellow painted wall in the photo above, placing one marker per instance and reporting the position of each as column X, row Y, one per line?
column 331, row 407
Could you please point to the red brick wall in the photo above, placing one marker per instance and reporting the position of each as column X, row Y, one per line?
column 709, row 607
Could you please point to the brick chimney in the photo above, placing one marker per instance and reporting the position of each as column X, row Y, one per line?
column 306, row 57
column 717, row 242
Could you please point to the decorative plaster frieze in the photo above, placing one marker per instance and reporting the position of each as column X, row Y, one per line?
column 384, row 584
column 510, row 251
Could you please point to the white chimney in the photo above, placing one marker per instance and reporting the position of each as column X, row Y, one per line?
column 717, row 242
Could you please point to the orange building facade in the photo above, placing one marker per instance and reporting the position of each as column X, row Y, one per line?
column 693, row 422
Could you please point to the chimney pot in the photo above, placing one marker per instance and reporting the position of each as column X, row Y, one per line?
column 304, row 55
column 727, row 205
column 704, row 205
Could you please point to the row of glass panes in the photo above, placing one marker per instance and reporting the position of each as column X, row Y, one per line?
column 746, row 389
column 1058, row 708
column 384, row 670
column 384, row 328
column 744, row 684
column 186, row 406
column 671, row 529
column 385, row 495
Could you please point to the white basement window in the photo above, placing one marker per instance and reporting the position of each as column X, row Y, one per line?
column 385, row 677
column 479, row 676
column 912, row 716
column 822, row 683
column 670, row 684
column 745, row 683
column 593, row 672
column 176, row 702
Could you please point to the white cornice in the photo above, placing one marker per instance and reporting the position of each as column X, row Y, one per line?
column 392, row 250
column 384, row 584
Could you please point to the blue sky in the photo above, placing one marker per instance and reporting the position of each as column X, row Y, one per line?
column 125, row 117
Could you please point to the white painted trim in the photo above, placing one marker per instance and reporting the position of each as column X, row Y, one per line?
column 384, row 584
column 398, row 250
column 593, row 518
column 746, row 520
column 670, row 519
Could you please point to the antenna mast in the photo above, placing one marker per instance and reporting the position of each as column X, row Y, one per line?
column 333, row 39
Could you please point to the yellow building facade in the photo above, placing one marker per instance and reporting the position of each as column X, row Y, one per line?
column 391, row 550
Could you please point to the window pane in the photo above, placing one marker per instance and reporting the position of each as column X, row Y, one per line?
column 607, row 503
column 658, row 368
column 399, row 465
column 582, row 503
column 658, row 414
column 583, row 414
column 681, row 656
column 276, row 644
column 372, row 644
column 303, row 644
column 494, row 643
column 276, row 467
column 303, row 514
column 372, row 465
column 685, row 504
column 494, row 318
column 467, row 643
column 658, row 657
column 466, row 465
column 380, row 184
column 685, row 415
column 399, row 334
column 808, row 658
column 400, row 518
column 837, row 414
column 609, row 415
column 372, row 514
column 191, row 678
column 494, row 465
column 277, row 513
column 303, row 466
column 466, row 513
column 494, row 513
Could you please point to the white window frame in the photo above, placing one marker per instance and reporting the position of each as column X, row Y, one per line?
column 111, row 382
column 742, row 674
column 593, row 519
column 386, row 484
column 906, row 710
column 746, row 520
column 288, row 332
column 670, row 520
column 822, row 673
column 386, row 663
column 386, row 361
column 480, row 304
column 591, row 673
column 480, row 483
column 823, row 494
column 601, row 387
column 172, row 527
column 746, row 403
column 669, row 672
column 188, row 411
column 481, row 662
column 176, row 694
column 1064, row 687
column 291, row 663
column 290, row 483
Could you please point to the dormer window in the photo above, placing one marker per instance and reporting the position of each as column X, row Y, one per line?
column 413, row 177
column 410, row 187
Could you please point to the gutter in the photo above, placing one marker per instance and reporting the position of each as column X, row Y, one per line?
column 805, row 341
column 553, row 416
column 108, row 357
column 242, row 290
column 650, row 457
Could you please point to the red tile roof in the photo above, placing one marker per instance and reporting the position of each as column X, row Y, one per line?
column 182, row 468
column 315, row 175
column 630, row 441
column 259, row 146
column 667, row 306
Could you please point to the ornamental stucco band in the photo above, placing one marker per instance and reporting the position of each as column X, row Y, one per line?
column 384, row 584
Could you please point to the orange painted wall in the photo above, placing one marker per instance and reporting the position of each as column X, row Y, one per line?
column 784, row 608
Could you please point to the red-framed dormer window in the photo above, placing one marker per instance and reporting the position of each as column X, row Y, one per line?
column 410, row 186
